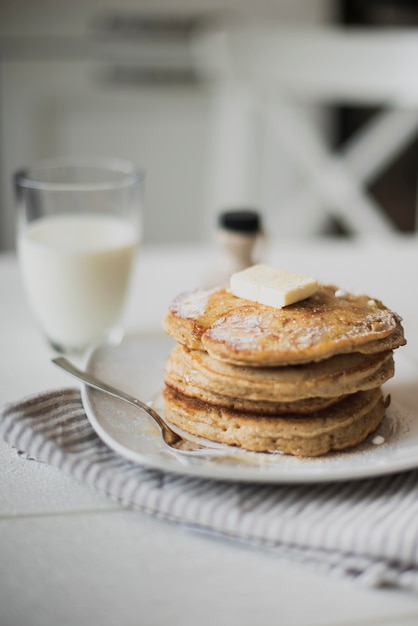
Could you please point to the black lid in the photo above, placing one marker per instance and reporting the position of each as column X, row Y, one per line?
column 242, row 220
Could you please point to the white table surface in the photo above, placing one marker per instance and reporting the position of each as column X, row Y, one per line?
column 70, row 556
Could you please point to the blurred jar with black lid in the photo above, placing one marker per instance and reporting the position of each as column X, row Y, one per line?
column 237, row 238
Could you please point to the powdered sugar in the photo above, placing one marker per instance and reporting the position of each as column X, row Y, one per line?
column 242, row 331
column 192, row 305
column 340, row 293
column 378, row 440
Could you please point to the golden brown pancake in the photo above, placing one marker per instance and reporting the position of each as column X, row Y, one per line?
column 250, row 334
column 342, row 426
column 259, row 407
column 191, row 370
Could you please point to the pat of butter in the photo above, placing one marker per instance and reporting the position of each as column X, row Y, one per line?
column 273, row 287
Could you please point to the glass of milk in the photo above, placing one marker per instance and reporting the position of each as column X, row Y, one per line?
column 79, row 226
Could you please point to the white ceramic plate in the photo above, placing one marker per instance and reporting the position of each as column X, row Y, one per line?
column 137, row 367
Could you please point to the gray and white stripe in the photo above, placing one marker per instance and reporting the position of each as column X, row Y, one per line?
column 364, row 529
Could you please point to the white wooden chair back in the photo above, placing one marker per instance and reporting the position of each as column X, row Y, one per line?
column 269, row 146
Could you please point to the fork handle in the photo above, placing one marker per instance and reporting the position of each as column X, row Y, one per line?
column 96, row 383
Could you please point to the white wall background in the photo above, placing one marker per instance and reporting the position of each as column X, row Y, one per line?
column 56, row 103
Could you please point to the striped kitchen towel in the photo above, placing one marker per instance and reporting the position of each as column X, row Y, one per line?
column 367, row 529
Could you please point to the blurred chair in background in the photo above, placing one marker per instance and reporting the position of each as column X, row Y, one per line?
column 268, row 82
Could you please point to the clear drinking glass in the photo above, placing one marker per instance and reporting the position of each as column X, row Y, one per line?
column 79, row 227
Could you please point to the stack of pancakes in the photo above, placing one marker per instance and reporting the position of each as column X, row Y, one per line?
column 304, row 379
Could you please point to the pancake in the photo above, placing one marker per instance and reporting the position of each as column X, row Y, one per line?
column 259, row 407
column 191, row 371
column 342, row 426
column 249, row 334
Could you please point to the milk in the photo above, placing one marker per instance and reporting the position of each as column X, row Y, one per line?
column 76, row 269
